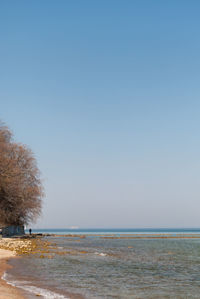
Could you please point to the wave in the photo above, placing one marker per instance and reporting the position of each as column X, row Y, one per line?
column 32, row 289
column 100, row 253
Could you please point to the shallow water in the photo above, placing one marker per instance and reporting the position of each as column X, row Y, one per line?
column 117, row 231
column 115, row 268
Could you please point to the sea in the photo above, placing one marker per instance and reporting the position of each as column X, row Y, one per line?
column 113, row 263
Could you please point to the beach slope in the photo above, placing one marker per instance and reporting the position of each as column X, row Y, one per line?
column 7, row 291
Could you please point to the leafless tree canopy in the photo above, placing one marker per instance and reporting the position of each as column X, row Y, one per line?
column 20, row 185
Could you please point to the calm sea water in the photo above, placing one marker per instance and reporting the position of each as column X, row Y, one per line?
column 90, row 231
column 100, row 267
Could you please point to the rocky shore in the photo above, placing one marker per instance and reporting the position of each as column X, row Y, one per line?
column 13, row 247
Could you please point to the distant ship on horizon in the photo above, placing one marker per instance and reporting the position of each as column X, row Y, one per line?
column 74, row 227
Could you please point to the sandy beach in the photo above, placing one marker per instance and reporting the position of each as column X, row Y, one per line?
column 7, row 291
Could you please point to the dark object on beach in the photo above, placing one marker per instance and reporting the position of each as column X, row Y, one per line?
column 30, row 231
column 12, row 230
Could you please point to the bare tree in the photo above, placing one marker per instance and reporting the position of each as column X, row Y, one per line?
column 21, row 190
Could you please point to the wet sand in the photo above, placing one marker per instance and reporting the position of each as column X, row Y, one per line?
column 7, row 291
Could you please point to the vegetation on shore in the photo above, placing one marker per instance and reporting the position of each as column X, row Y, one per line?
column 21, row 189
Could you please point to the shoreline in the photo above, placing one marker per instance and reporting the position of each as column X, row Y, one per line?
column 7, row 291
column 14, row 248
column 124, row 236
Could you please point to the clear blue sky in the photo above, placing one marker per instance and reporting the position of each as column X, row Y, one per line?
column 107, row 95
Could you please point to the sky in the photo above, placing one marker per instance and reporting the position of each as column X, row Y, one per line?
column 107, row 96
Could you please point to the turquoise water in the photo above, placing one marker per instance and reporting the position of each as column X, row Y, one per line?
column 100, row 267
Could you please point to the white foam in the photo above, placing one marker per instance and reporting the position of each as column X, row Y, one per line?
column 101, row 254
column 33, row 289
